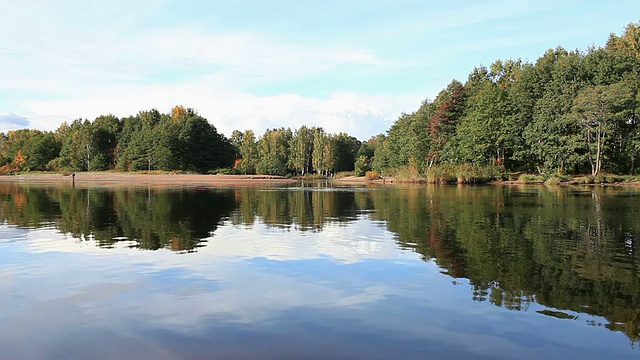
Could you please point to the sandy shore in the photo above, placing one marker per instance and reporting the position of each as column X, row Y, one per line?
column 88, row 179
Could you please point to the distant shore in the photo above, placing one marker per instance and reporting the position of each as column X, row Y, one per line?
column 91, row 179
column 86, row 179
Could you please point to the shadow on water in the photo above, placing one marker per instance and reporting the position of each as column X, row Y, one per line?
column 573, row 250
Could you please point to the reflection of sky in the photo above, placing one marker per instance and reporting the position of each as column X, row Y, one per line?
column 262, row 292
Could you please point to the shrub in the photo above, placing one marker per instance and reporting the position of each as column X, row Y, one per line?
column 530, row 179
column 552, row 181
column 9, row 169
column 343, row 174
column 313, row 176
column 372, row 175
column 224, row 171
column 408, row 173
column 464, row 174
column 441, row 174
column 362, row 165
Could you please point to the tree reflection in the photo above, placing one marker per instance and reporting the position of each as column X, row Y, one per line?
column 569, row 249
column 151, row 219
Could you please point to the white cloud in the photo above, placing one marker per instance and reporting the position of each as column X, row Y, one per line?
column 355, row 243
column 86, row 74
column 357, row 114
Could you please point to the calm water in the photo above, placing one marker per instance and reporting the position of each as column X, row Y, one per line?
column 406, row 272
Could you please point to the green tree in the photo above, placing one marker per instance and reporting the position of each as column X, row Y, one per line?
column 301, row 149
column 449, row 108
column 106, row 130
column 236, row 142
column 199, row 147
column 552, row 136
column 78, row 146
column 249, row 153
column 362, row 165
column 273, row 149
column 346, row 147
column 323, row 156
column 40, row 150
column 143, row 145
column 601, row 112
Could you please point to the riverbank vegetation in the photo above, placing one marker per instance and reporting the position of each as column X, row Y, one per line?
column 569, row 112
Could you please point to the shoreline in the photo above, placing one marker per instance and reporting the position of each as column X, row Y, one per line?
column 87, row 179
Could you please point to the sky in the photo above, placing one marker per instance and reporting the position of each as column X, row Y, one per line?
column 346, row 65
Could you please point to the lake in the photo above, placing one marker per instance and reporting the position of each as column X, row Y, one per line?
column 319, row 271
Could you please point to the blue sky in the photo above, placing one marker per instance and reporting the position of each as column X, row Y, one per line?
column 351, row 66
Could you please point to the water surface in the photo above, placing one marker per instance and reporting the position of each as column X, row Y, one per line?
column 390, row 272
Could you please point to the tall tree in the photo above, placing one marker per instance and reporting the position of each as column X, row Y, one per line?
column 273, row 148
column 106, row 129
column 552, row 136
column 301, row 150
column 323, row 156
column 40, row 150
column 249, row 153
column 449, row 108
column 601, row 112
column 236, row 142
column 346, row 147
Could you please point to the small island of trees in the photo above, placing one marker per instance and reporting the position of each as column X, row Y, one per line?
column 570, row 112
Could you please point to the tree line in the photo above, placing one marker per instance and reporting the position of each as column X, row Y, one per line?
column 569, row 112
column 181, row 140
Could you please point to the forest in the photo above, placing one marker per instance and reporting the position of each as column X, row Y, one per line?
column 569, row 112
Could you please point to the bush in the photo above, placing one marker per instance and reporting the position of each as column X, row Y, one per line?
column 9, row 169
column 343, row 174
column 408, row 173
column 224, row 171
column 313, row 176
column 553, row 180
column 362, row 165
column 530, row 179
column 372, row 175
column 441, row 174
column 464, row 174
column 55, row 165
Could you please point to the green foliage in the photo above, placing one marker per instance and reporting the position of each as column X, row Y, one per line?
column 312, row 176
column 531, row 179
column 343, row 174
column 602, row 111
column 346, row 147
column 362, row 165
column 464, row 174
column 224, row 171
column 408, row 173
column 569, row 112
column 182, row 140
column 324, row 152
column 301, row 150
column 249, row 153
column 273, row 149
